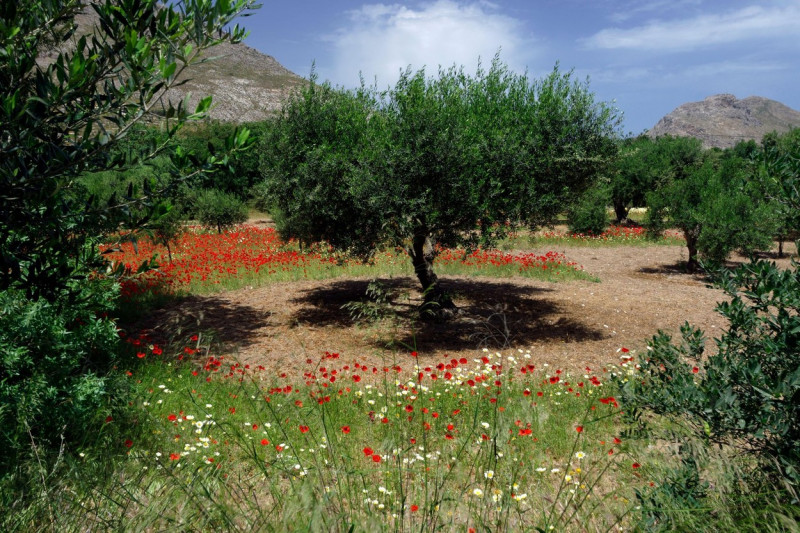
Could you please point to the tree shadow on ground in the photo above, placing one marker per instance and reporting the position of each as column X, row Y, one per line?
column 230, row 323
column 669, row 268
column 494, row 314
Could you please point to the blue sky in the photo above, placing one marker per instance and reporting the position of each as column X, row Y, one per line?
column 647, row 56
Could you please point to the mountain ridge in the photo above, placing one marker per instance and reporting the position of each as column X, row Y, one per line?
column 246, row 85
column 722, row 120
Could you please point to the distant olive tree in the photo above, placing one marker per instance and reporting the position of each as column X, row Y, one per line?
column 712, row 199
column 777, row 171
column 633, row 174
column 435, row 161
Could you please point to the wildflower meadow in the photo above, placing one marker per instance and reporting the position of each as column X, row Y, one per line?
column 353, row 442
column 489, row 443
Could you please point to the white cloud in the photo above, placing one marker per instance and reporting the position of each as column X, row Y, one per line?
column 638, row 8
column 754, row 22
column 382, row 40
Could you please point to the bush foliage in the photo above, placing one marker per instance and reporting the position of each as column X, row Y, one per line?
column 219, row 209
column 54, row 368
column 748, row 393
column 589, row 215
column 61, row 120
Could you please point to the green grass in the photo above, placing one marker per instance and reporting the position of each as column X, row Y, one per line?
column 208, row 444
column 235, row 448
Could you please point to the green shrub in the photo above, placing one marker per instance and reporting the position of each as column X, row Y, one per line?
column 589, row 216
column 167, row 227
column 219, row 209
column 54, row 382
column 747, row 394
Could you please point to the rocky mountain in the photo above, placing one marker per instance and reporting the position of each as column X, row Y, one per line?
column 722, row 120
column 246, row 85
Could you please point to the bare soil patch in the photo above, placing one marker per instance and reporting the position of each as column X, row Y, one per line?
column 568, row 325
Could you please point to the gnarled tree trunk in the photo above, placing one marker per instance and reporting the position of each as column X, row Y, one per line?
column 437, row 303
column 693, row 265
column 621, row 212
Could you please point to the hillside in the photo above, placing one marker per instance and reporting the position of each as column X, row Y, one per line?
column 246, row 84
column 722, row 120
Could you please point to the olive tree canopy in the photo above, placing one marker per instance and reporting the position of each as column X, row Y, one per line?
column 450, row 160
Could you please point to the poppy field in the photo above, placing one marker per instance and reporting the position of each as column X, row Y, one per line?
column 491, row 443
column 248, row 255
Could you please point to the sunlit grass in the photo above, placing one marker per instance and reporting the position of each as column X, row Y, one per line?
column 413, row 443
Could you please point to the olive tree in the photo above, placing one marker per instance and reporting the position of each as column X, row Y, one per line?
column 632, row 175
column 454, row 159
column 777, row 171
column 712, row 200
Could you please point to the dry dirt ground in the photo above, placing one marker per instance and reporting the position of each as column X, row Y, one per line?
column 568, row 325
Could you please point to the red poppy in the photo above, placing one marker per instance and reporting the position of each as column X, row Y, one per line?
column 346, row 429
column 579, row 429
column 264, row 442
column 174, row 457
column 376, row 458
column 367, row 450
column 128, row 443
column 414, row 508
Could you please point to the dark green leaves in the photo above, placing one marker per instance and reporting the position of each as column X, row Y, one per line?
column 454, row 157
column 62, row 116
